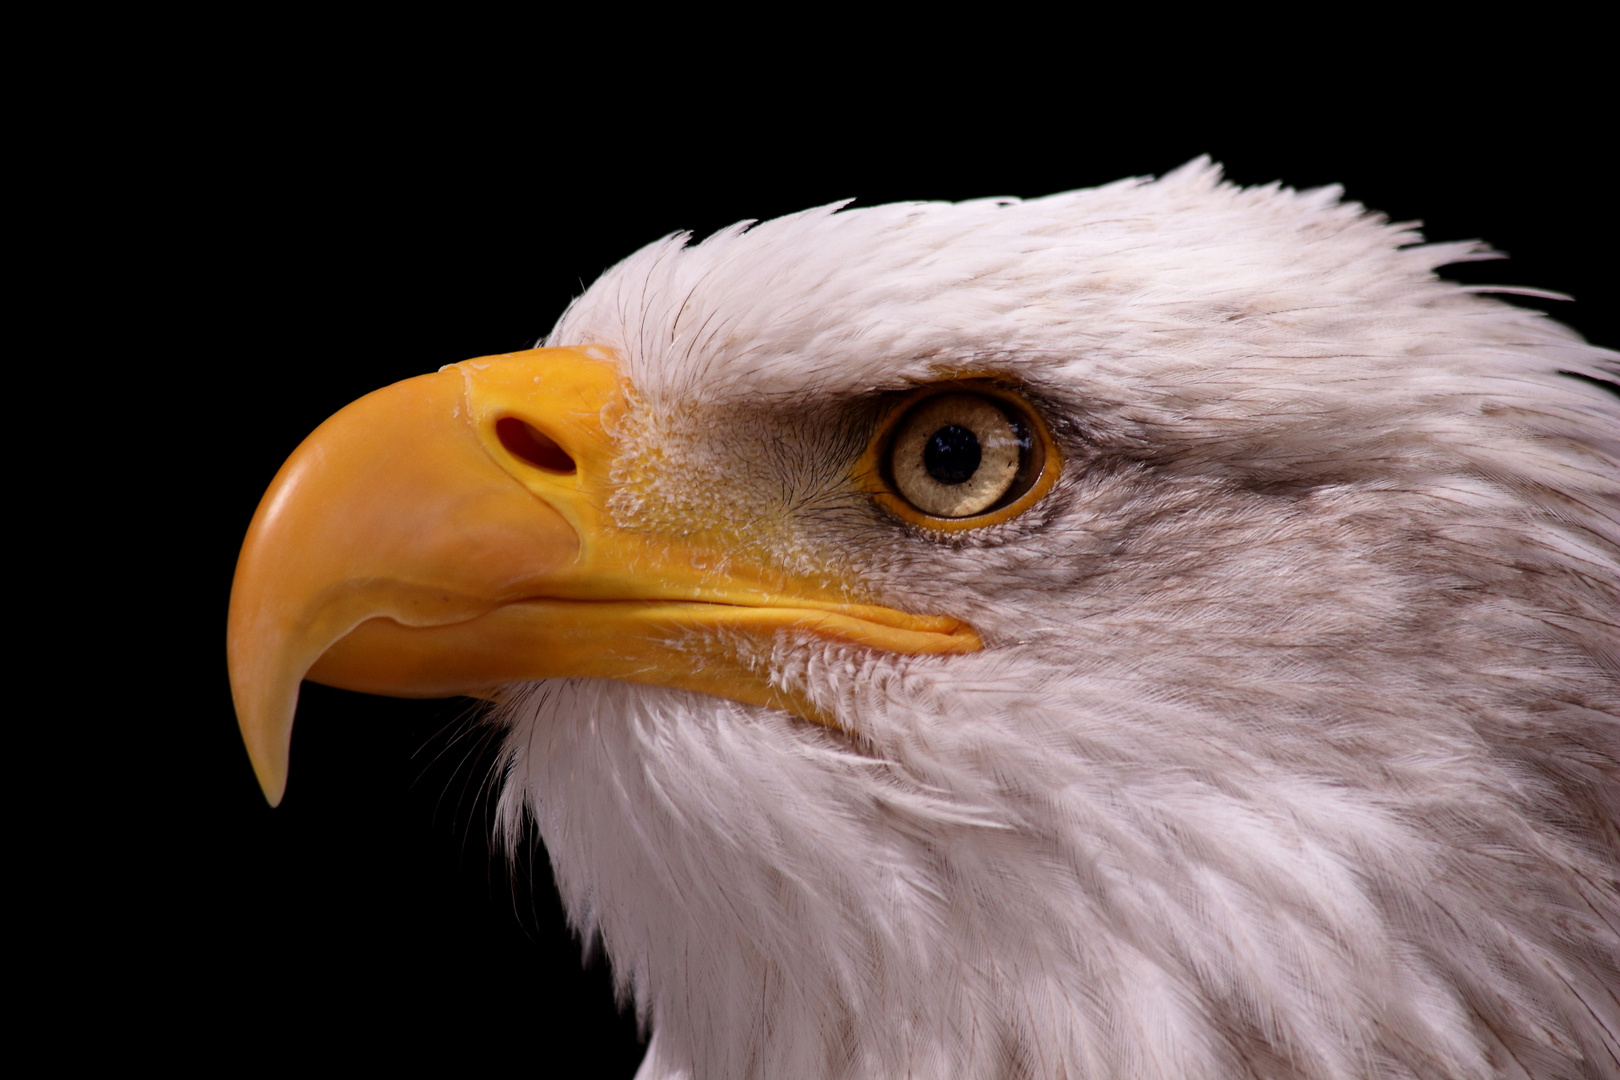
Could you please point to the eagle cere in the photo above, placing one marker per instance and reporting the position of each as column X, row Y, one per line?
column 1160, row 630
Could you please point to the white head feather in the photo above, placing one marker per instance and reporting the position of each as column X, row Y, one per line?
column 1295, row 747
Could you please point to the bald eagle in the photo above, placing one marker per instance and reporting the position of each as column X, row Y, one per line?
column 1160, row 630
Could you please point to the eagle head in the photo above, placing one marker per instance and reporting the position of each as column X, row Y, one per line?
column 1160, row 630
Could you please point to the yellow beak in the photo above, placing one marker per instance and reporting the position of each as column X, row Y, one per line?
column 449, row 535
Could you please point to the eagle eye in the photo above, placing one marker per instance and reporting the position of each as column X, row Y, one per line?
column 962, row 455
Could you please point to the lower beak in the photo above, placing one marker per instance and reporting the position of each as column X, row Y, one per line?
column 450, row 535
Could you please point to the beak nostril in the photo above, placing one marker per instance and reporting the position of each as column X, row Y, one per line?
column 529, row 444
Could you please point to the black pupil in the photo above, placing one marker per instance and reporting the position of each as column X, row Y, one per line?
column 952, row 454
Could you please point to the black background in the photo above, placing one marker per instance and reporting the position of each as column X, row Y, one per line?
column 270, row 256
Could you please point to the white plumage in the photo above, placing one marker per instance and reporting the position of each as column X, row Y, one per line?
column 1295, row 747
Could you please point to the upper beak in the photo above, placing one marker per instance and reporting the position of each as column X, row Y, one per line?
column 449, row 534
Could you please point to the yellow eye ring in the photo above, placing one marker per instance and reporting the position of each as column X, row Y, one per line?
column 958, row 455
